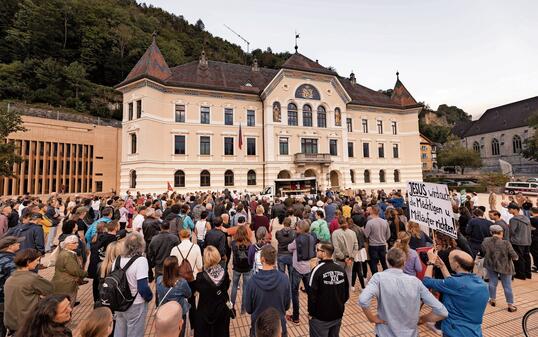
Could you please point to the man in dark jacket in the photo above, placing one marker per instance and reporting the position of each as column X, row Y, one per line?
column 520, row 237
column 30, row 231
column 160, row 247
column 217, row 238
column 98, row 251
column 327, row 295
column 478, row 230
column 285, row 236
column 267, row 288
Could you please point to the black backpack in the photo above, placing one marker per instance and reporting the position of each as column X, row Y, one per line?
column 115, row 292
column 241, row 258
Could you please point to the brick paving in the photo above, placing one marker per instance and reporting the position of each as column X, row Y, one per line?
column 498, row 322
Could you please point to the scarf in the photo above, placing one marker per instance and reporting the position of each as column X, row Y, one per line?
column 215, row 273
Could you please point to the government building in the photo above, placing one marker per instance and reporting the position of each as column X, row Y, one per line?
column 208, row 125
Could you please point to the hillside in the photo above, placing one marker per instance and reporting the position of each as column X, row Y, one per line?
column 437, row 124
column 71, row 52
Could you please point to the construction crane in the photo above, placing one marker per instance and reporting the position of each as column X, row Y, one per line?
column 242, row 38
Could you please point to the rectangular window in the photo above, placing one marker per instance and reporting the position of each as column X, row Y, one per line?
column 309, row 145
column 350, row 152
column 394, row 128
column 349, row 123
column 307, row 118
column 424, row 156
column 204, row 115
column 283, row 145
column 365, row 126
column 333, row 147
column 395, row 151
column 180, row 113
column 366, row 150
column 251, row 146
column 292, row 117
column 228, row 116
column 98, row 186
column 251, row 117
column 381, row 150
column 179, row 144
column 130, row 110
column 228, row 146
column 139, row 108
column 205, row 144
column 380, row 127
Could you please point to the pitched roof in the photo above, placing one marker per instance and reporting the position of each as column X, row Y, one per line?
column 362, row 95
column 298, row 61
column 151, row 65
column 461, row 127
column 504, row 117
column 401, row 95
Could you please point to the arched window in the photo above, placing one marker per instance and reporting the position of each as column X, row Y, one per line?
column 322, row 117
column 366, row 176
column 382, row 176
column 179, row 178
column 133, row 143
column 307, row 115
column 205, row 178
column 251, row 177
column 476, row 147
column 495, row 149
column 228, row 178
column 516, row 144
column 396, row 176
column 292, row 114
column 132, row 179
column 352, row 175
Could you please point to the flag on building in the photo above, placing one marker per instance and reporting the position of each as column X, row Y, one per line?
column 169, row 186
column 240, row 142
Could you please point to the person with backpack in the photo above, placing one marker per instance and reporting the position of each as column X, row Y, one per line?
column 254, row 250
column 200, row 230
column 126, row 289
column 241, row 266
column 320, row 228
column 189, row 258
column 97, row 255
column 303, row 249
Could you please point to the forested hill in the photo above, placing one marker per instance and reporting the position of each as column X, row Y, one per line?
column 70, row 53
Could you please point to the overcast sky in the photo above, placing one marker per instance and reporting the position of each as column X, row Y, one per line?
column 472, row 54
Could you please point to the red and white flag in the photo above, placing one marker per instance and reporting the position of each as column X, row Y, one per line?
column 169, row 186
column 240, row 142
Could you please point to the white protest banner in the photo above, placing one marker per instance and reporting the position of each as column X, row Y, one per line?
column 430, row 207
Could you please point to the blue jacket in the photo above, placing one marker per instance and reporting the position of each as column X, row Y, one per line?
column 267, row 288
column 465, row 296
column 7, row 266
column 92, row 230
column 33, row 236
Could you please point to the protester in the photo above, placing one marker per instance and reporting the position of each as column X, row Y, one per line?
column 169, row 320
column 268, row 288
column 217, row 238
column 241, row 266
column 418, row 239
column 201, row 228
column 284, row 237
column 268, row 324
column 49, row 318
column 160, row 247
column 31, row 232
column 520, row 237
column 68, row 272
column 254, row 250
column 99, row 323
column 345, row 246
column 260, row 220
column 91, row 233
column 498, row 257
column 378, row 233
column 319, row 227
column 495, row 216
column 478, row 230
column 412, row 265
column 5, row 211
column 9, row 245
column 327, row 295
column 399, row 298
column 464, row 316
column 360, row 264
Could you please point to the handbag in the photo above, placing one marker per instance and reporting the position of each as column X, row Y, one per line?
column 224, row 294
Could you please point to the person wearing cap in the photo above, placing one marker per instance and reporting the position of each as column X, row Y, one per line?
column 23, row 289
column 68, row 273
column 498, row 257
column 9, row 245
column 29, row 230
column 520, row 237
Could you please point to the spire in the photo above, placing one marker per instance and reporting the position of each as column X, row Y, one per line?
column 400, row 94
column 352, row 78
column 296, row 47
column 255, row 65
column 203, row 61
column 151, row 65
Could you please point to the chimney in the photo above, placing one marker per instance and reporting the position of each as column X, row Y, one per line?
column 203, row 61
column 255, row 65
column 352, row 78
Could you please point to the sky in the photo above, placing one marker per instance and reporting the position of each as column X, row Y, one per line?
column 473, row 54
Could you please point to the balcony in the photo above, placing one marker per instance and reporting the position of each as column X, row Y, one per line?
column 302, row 159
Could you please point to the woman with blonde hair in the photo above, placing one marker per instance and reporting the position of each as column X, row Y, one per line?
column 260, row 220
column 98, row 324
column 213, row 311
column 113, row 250
column 418, row 239
column 412, row 265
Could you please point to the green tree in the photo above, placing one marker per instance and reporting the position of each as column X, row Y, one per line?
column 10, row 121
column 455, row 154
column 436, row 133
column 453, row 114
column 530, row 148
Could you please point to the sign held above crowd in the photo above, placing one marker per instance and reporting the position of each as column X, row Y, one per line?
column 430, row 207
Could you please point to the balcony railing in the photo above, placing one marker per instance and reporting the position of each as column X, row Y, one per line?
column 312, row 158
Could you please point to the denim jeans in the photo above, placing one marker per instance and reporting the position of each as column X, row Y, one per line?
column 285, row 262
column 235, row 283
column 506, row 281
column 131, row 323
column 50, row 238
column 296, row 279
column 377, row 254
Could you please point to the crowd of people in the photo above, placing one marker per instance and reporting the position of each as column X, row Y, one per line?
column 191, row 253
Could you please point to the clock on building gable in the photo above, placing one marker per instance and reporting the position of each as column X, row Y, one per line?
column 307, row 91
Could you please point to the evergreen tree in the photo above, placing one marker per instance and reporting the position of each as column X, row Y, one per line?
column 10, row 121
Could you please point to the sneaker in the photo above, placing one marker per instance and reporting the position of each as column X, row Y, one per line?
column 290, row 318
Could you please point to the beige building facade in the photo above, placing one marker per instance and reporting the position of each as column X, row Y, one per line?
column 64, row 153
column 209, row 125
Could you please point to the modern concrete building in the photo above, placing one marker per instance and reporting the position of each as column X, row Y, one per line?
column 500, row 133
column 213, row 125
column 63, row 152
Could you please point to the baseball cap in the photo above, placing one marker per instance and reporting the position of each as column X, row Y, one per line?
column 9, row 240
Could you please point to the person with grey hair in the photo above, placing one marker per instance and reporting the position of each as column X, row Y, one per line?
column 399, row 297
column 132, row 321
column 498, row 257
column 168, row 320
column 68, row 273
